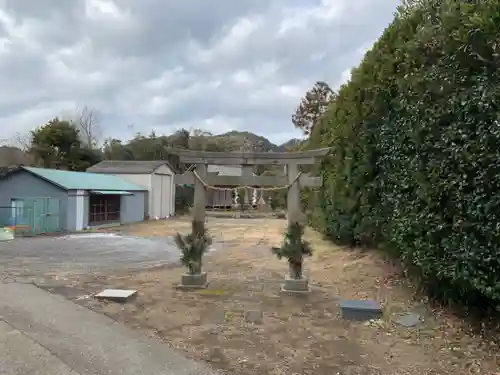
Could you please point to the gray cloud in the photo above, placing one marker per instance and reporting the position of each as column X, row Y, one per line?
column 218, row 65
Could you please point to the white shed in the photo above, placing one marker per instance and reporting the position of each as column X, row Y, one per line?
column 156, row 176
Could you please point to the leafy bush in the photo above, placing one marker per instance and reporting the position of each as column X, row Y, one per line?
column 193, row 246
column 415, row 137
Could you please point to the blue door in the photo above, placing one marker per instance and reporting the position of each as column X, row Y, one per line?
column 37, row 215
column 52, row 215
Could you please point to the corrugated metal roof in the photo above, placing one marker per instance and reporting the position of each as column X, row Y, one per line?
column 128, row 166
column 111, row 192
column 83, row 180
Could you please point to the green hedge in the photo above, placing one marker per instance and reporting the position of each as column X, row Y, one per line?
column 415, row 137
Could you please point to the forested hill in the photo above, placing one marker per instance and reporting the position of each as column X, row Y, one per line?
column 142, row 147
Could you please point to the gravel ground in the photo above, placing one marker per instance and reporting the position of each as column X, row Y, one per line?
column 83, row 254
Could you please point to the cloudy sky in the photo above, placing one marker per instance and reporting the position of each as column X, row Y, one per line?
column 217, row 65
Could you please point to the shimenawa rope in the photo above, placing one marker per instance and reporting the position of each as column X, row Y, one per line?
column 245, row 186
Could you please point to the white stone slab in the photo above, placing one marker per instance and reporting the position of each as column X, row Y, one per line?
column 6, row 234
column 116, row 294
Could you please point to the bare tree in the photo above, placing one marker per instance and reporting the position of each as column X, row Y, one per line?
column 15, row 151
column 22, row 141
column 87, row 122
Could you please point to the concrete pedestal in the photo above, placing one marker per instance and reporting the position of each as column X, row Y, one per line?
column 198, row 281
column 292, row 285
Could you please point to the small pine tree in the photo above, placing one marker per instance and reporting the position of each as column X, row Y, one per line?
column 241, row 199
column 193, row 246
column 294, row 248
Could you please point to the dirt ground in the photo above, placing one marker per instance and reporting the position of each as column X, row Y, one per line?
column 298, row 334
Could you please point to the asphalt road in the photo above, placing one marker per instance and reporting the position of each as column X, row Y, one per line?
column 83, row 253
column 43, row 333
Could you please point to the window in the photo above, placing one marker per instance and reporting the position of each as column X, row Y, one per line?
column 104, row 208
column 17, row 207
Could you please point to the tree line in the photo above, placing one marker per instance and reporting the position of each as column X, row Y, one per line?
column 75, row 143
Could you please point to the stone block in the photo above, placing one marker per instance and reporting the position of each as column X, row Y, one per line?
column 253, row 316
column 360, row 310
column 409, row 320
column 198, row 281
column 292, row 285
column 216, row 354
column 219, row 317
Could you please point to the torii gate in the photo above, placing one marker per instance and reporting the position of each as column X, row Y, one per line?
column 292, row 179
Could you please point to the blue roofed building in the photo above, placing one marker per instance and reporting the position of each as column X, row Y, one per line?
column 39, row 200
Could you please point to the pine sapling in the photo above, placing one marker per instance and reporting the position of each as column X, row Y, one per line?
column 193, row 246
column 294, row 248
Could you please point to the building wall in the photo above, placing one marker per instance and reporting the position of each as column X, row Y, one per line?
column 78, row 210
column 167, row 194
column 76, row 207
column 161, row 192
column 164, row 169
column 132, row 207
column 155, row 197
column 225, row 170
column 166, row 184
column 160, row 185
column 86, row 209
column 221, row 198
column 143, row 180
column 24, row 185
